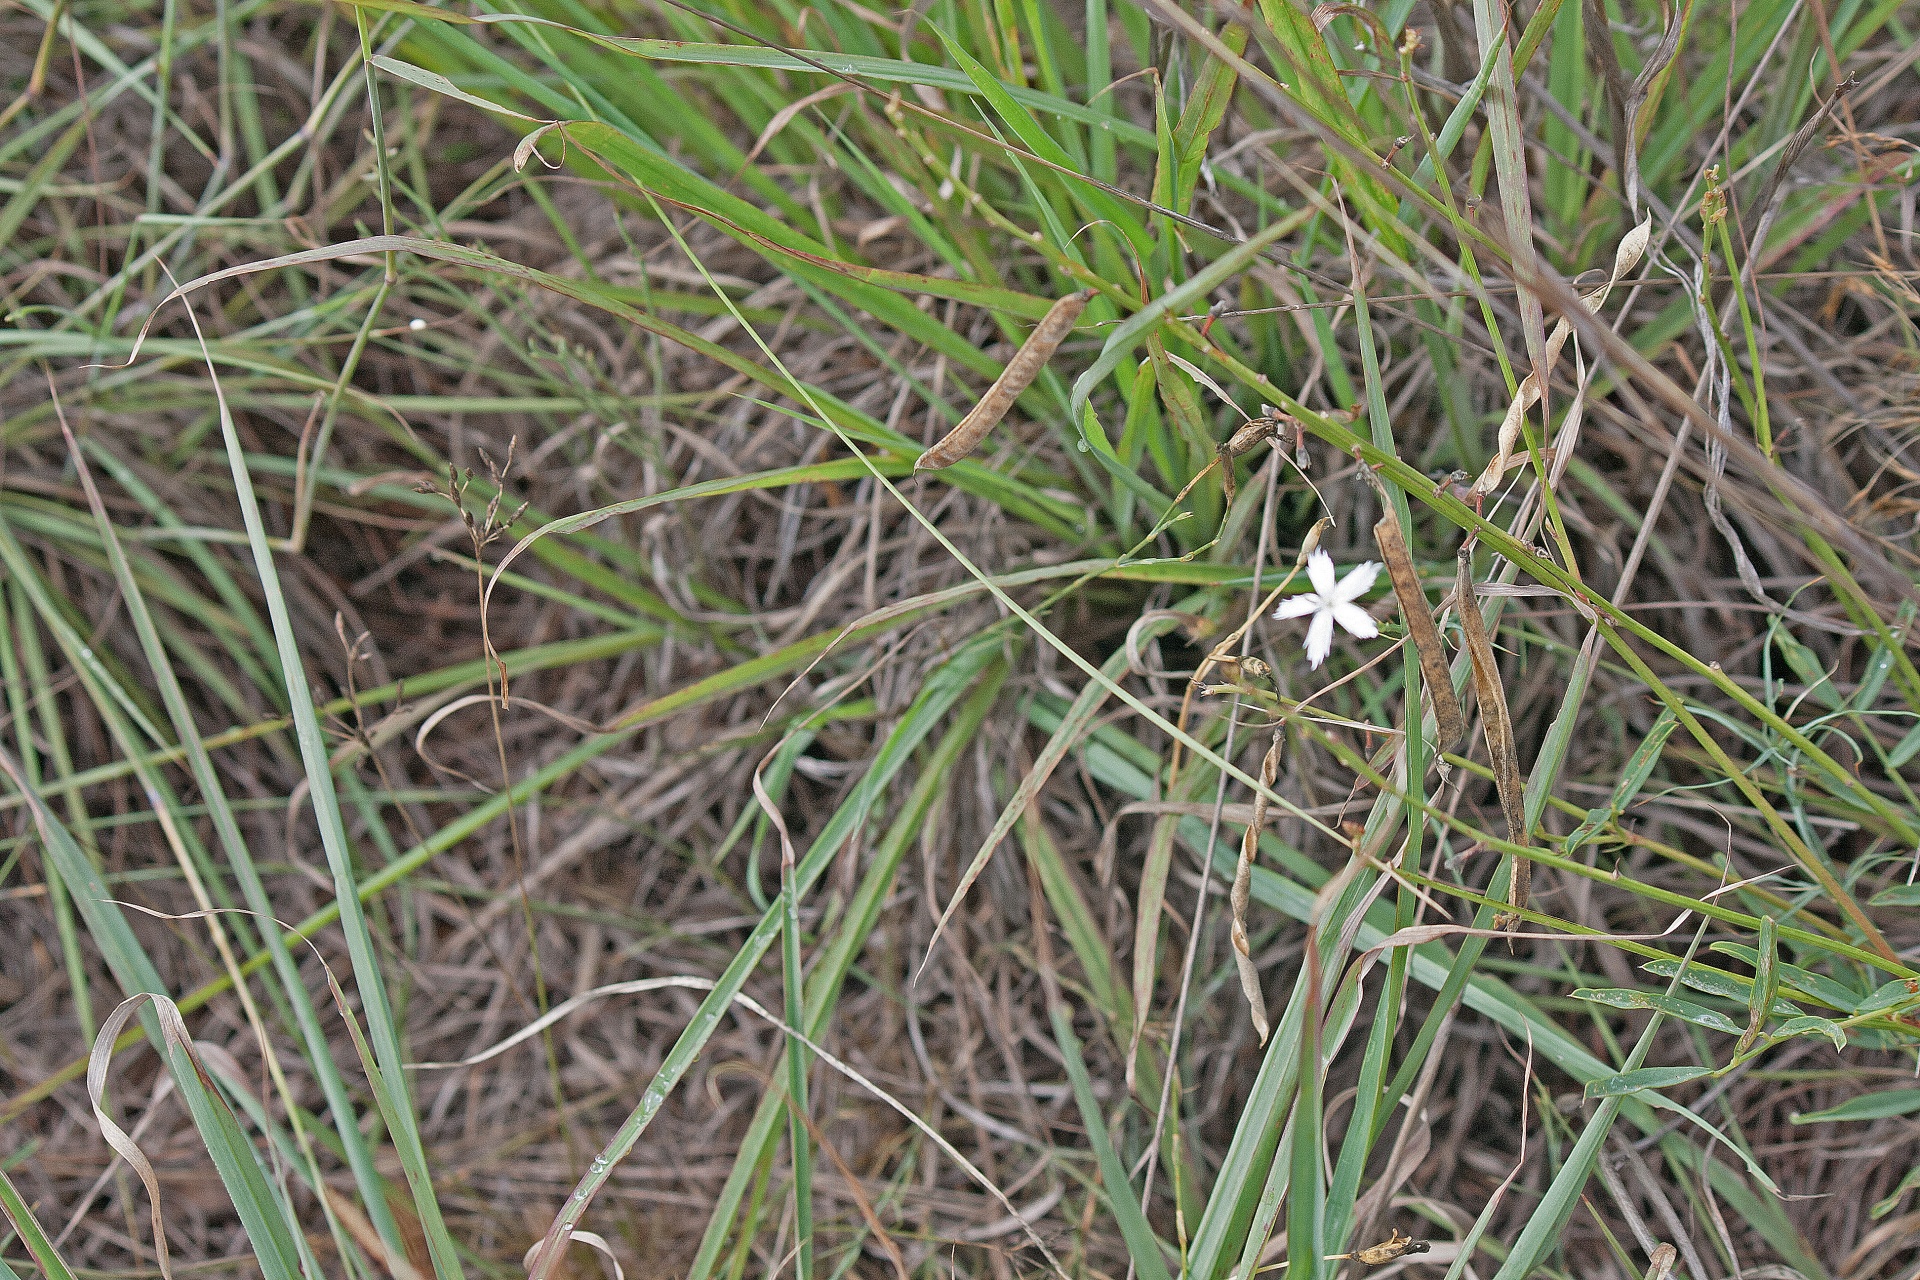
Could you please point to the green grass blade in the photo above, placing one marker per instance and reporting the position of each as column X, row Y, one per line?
column 52, row 1266
column 946, row 688
column 1142, row 1246
column 262, row 1213
column 368, row 980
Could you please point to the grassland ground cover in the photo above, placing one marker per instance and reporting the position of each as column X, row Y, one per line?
column 510, row 766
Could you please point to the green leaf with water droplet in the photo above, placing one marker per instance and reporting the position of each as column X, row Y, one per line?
column 1672, row 1006
column 1810, row 1025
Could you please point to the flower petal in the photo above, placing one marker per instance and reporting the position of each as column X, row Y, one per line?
column 1298, row 606
column 1356, row 620
column 1320, row 570
column 1320, row 638
column 1358, row 582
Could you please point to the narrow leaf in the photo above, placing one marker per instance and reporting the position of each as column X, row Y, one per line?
column 1886, row 1206
column 1874, row 1106
column 1766, row 984
column 1640, row 764
column 1673, row 1006
column 1716, row 982
column 435, row 83
column 1142, row 1246
column 1645, row 1078
column 20, row 1214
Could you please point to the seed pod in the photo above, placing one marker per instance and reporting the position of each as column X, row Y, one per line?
column 1375, row 1255
column 1015, row 378
column 1449, row 723
column 1242, row 895
column 1498, row 725
column 1249, row 436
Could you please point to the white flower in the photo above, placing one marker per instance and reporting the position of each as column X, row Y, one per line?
column 1330, row 602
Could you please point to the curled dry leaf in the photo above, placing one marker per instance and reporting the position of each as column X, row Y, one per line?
column 173, row 1028
column 1014, row 379
column 593, row 1240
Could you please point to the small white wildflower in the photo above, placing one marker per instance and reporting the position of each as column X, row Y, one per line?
column 1330, row 602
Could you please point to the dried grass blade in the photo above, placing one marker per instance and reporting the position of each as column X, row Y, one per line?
column 357, row 1225
column 857, row 1193
column 1075, row 723
column 1014, row 379
column 1498, row 725
column 1509, row 147
column 593, row 1240
column 1646, row 88
column 1625, row 258
column 174, row 1029
column 1243, row 893
column 1451, row 723
column 1149, row 903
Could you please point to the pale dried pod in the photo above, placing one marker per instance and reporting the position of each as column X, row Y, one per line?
column 1019, row 374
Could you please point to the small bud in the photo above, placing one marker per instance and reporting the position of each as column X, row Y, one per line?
column 1713, row 205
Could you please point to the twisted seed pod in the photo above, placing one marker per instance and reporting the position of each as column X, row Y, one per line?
column 1498, row 725
column 1449, row 721
column 1015, row 378
column 1242, row 894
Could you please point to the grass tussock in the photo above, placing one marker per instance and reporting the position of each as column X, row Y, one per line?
column 517, row 756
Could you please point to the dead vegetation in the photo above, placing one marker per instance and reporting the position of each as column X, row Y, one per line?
column 759, row 608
